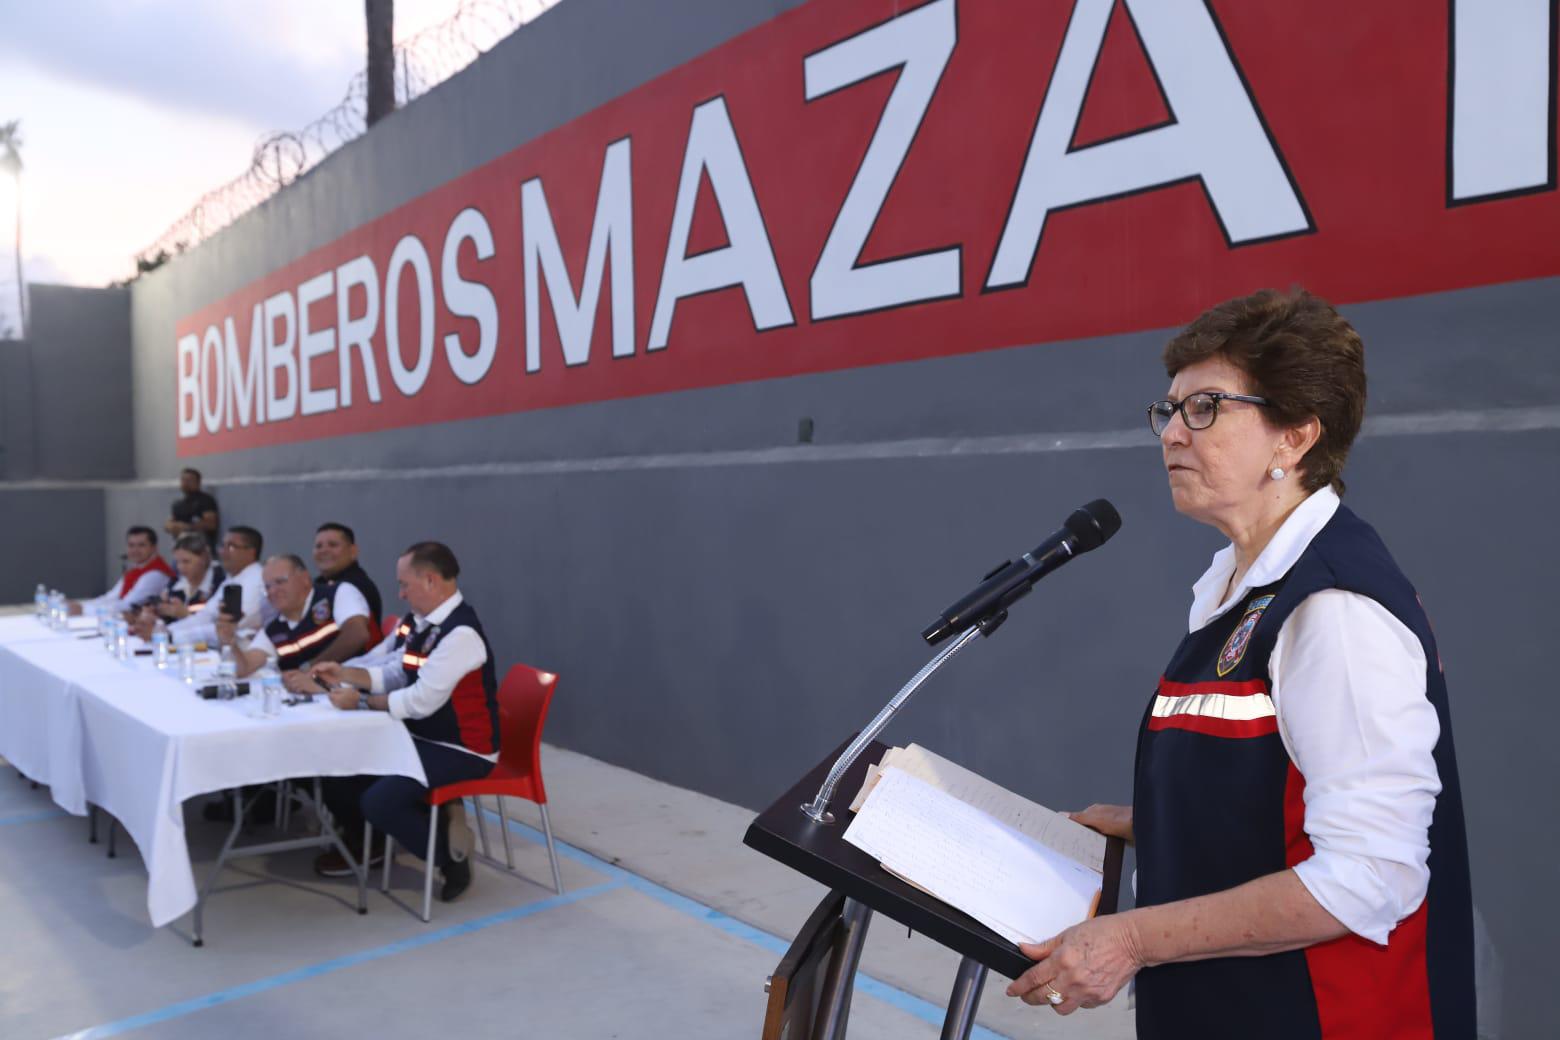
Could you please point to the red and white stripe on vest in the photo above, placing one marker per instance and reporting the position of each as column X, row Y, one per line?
column 297, row 645
column 470, row 717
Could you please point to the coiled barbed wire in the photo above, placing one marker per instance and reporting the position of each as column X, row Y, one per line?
column 422, row 62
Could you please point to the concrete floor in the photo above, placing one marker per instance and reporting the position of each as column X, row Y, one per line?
column 668, row 928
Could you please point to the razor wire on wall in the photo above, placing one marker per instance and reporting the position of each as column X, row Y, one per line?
column 422, row 62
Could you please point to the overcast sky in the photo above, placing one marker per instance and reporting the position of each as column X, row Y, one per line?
column 133, row 109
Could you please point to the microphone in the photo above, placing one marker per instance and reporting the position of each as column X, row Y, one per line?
column 1087, row 528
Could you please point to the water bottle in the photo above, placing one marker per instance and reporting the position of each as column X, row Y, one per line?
column 273, row 695
column 187, row 664
column 122, row 639
column 56, row 598
column 160, row 649
column 109, row 631
column 227, row 675
column 40, row 601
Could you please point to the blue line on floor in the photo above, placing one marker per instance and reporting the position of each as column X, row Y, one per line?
column 620, row 878
column 33, row 816
column 909, row 1003
column 351, row 960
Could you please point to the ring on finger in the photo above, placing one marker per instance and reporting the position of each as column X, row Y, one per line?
column 1052, row 995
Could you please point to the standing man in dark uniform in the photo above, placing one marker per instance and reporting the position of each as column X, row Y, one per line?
column 445, row 689
column 196, row 511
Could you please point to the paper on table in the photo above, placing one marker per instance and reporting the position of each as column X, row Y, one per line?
column 1051, row 829
column 1003, row 878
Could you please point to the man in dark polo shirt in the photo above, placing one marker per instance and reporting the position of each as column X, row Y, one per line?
column 196, row 511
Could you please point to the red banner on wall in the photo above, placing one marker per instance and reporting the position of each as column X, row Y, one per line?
column 856, row 183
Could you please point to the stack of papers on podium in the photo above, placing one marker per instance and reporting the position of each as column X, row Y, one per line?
column 1018, row 868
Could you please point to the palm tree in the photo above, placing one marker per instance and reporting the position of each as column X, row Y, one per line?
column 11, row 163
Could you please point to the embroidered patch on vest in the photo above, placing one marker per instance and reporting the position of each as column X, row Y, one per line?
column 321, row 612
column 1235, row 646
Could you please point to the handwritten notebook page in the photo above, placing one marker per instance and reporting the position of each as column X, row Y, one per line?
column 1051, row 829
column 1013, row 884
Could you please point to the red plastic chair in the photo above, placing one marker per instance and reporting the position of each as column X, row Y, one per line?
column 523, row 699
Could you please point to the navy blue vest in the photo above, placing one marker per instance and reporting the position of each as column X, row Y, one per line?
column 470, row 717
column 297, row 645
column 325, row 588
column 1217, row 802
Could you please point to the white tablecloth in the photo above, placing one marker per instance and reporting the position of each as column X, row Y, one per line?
column 138, row 742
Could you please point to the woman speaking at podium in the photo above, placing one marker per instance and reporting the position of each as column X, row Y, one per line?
column 1302, row 862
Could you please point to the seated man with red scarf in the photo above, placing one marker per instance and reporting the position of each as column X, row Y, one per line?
column 146, row 575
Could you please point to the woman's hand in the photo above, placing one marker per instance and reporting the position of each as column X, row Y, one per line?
column 1087, row 964
column 1113, row 821
column 144, row 625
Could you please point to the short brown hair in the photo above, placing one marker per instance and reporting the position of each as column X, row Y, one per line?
column 1299, row 353
column 436, row 557
column 193, row 543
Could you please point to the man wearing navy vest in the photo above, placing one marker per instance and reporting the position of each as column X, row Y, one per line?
column 306, row 624
column 445, row 689
column 336, row 563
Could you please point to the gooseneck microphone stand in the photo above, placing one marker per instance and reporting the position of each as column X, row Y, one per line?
column 817, row 809
column 817, row 974
column 835, row 1002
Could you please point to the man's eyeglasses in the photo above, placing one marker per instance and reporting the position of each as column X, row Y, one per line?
column 1198, row 411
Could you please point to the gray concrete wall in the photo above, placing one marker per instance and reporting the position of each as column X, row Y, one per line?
column 724, row 605
column 65, row 401
column 53, row 533
column 66, row 389
column 17, row 441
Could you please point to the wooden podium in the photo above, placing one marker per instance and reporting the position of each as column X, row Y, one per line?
column 810, row 991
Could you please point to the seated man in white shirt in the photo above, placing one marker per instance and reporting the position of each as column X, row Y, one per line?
column 444, row 687
column 240, row 553
column 146, row 575
column 305, row 626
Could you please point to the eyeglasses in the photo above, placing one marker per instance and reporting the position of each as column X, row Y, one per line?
column 1197, row 410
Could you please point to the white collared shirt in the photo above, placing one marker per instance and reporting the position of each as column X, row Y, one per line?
column 147, row 587
column 457, row 654
column 376, row 657
column 1348, row 684
column 201, row 625
column 204, row 589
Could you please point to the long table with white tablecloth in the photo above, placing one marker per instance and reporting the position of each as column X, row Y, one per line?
column 138, row 742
